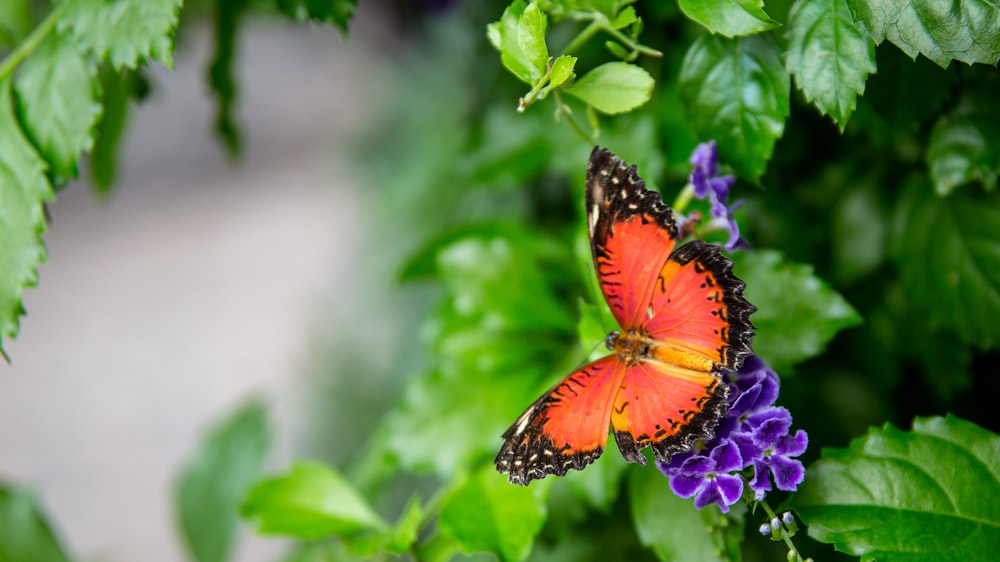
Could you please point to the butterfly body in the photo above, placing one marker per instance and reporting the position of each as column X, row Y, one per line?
column 683, row 320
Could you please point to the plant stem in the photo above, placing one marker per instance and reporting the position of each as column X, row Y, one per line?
column 771, row 516
column 584, row 36
column 564, row 110
column 31, row 42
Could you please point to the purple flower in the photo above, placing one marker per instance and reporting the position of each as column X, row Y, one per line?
column 709, row 184
column 753, row 433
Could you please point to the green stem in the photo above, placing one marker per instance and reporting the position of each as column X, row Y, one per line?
column 771, row 516
column 684, row 198
column 584, row 36
column 564, row 110
column 31, row 42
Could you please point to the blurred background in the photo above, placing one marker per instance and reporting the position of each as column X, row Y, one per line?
column 198, row 284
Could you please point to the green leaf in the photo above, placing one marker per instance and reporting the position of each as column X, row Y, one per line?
column 859, row 232
column 310, row 501
column 901, row 496
column 600, row 484
column 24, row 532
column 736, row 92
column 674, row 529
column 213, row 484
column 729, row 17
column 625, row 17
column 117, row 86
column 16, row 22
column 562, row 70
column 57, row 94
column 507, row 31
column 797, row 313
column 24, row 190
column 949, row 260
column 397, row 540
column 220, row 72
column 964, row 147
column 124, row 31
column 963, row 30
column 486, row 513
column 830, row 56
column 531, row 40
column 337, row 12
column 614, row 87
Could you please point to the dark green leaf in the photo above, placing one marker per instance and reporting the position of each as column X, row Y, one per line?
column 898, row 496
column 860, row 232
column 23, row 191
column 310, row 501
column 614, row 87
column 963, row 30
column 965, row 147
column 729, row 17
column 215, row 481
column 830, row 56
column 220, row 72
column 337, row 12
column 57, row 92
column 126, row 32
column 25, row 535
column 486, row 513
column 736, row 92
column 797, row 313
column 949, row 260
column 674, row 528
column 117, row 86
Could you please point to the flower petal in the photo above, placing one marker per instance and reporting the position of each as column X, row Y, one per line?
column 730, row 487
column 788, row 473
column 769, row 432
column 793, row 445
column 686, row 486
column 727, row 457
column 698, row 465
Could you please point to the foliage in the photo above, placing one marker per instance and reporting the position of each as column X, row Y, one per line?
column 869, row 202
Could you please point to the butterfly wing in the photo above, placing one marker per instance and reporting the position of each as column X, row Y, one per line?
column 567, row 427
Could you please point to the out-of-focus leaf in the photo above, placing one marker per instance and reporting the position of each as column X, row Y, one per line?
column 600, row 484
column 736, row 92
column 16, row 21
column 965, row 147
column 830, row 56
column 57, row 99
column 486, row 513
column 397, row 540
column 23, row 193
column 797, row 313
column 220, row 72
column 614, row 87
column 963, row 30
column 901, row 496
column 117, row 86
column 948, row 259
column 124, row 31
column 860, row 232
column 729, row 17
column 337, row 12
column 24, row 533
column 674, row 529
column 310, row 501
column 215, row 481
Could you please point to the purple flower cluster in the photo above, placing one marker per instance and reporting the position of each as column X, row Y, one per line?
column 754, row 433
column 709, row 184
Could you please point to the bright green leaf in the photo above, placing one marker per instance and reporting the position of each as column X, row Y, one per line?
column 310, row 501
column 963, row 30
column 904, row 496
column 965, row 147
column 337, row 12
column 215, row 481
column 531, row 40
column 797, row 313
column 486, row 513
column 24, row 532
column 23, row 193
column 124, row 31
column 397, row 540
column 949, row 260
column 614, row 87
column 830, row 56
column 729, row 17
column 674, row 529
column 16, row 21
column 600, row 484
column 624, row 18
column 511, row 55
column 57, row 94
column 736, row 92
column 562, row 70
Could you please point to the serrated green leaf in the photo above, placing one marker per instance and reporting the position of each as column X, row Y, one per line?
column 310, row 501
column 24, row 532
column 126, row 32
column 486, row 513
column 214, row 482
column 562, row 70
column 23, row 193
column 904, row 496
column 57, row 98
column 674, row 529
column 963, row 30
column 731, row 18
column 797, row 313
column 337, row 12
column 964, row 147
column 614, row 87
column 830, row 56
column 736, row 92
column 531, row 40
column 949, row 260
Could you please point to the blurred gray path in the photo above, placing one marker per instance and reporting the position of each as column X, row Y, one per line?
column 193, row 287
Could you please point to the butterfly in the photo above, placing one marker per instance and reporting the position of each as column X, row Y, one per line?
column 683, row 321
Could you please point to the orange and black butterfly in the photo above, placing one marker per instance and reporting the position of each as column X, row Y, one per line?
column 683, row 321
